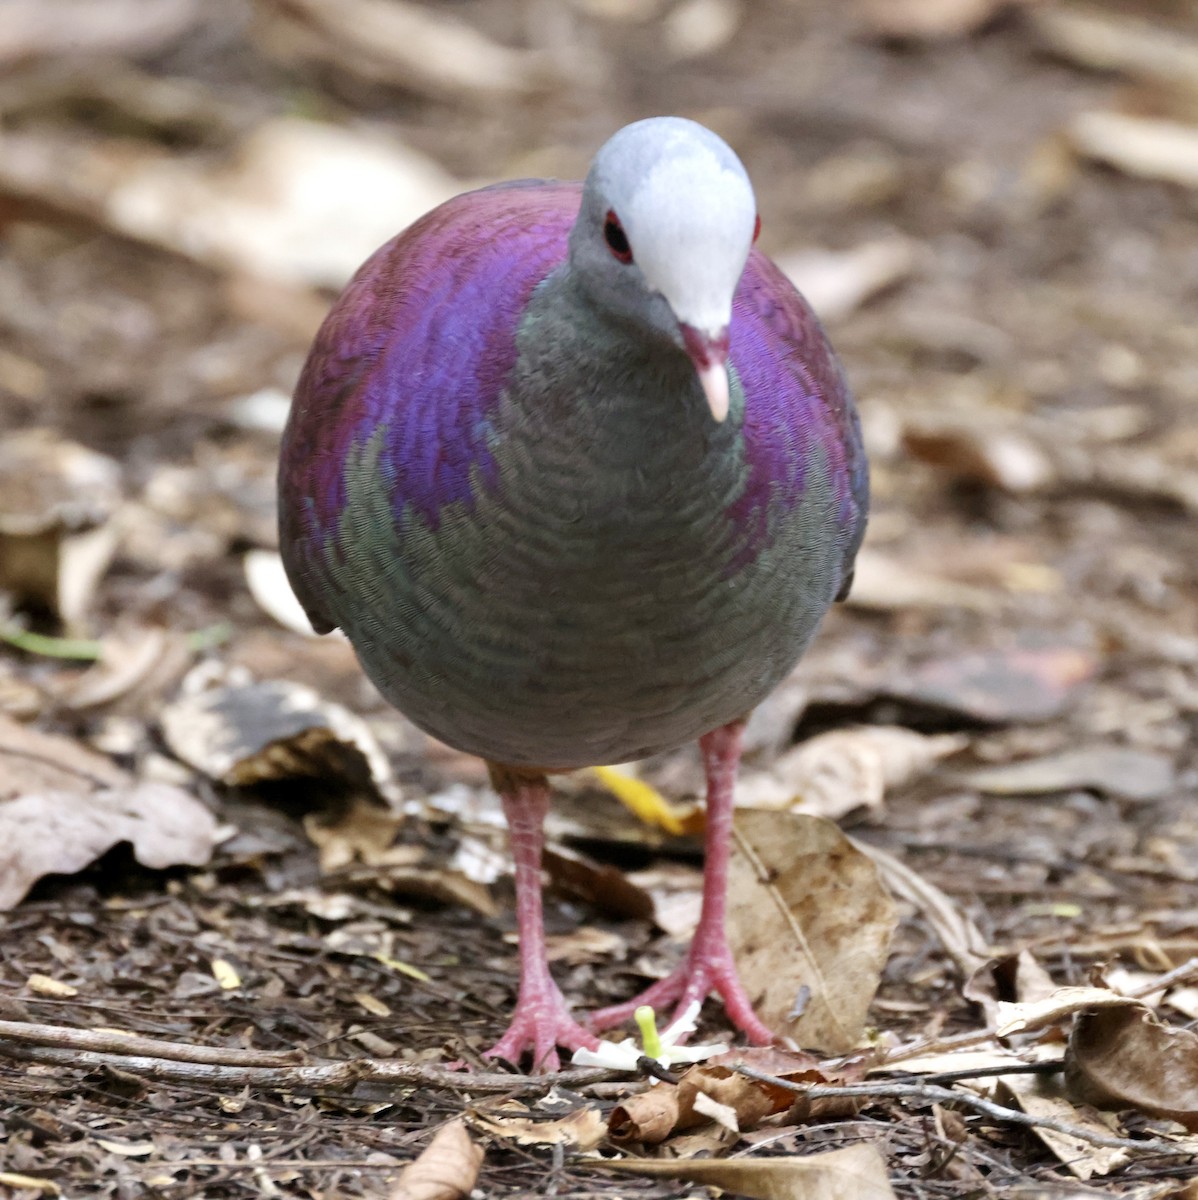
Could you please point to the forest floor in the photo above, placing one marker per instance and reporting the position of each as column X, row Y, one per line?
column 993, row 206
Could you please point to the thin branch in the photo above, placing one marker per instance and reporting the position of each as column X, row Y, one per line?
column 112, row 1042
column 1050, row 1067
column 932, row 1093
column 321, row 1076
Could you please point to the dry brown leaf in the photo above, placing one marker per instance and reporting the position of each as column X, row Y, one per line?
column 1112, row 770
column 1043, row 1096
column 400, row 43
column 808, row 920
column 854, row 1173
column 886, row 583
column 1052, row 1009
column 931, row 20
column 1123, row 1057
column 245, row 734
column 834, row 773
column 982, row 451
column 601, row 885
column 582, row 1130
column 964, row 941
column 41, row 29
column 837, row 284
column 57, row 539
column 1144, row 146
column 61, row 807
column 446, row 1169
column 270, row 587
column 134, row 672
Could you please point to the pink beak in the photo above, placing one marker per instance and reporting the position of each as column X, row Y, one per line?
column 709, row 353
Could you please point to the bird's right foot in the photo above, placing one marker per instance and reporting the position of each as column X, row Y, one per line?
column 541, row 1023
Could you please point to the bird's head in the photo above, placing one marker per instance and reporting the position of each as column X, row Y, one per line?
column 667, row 221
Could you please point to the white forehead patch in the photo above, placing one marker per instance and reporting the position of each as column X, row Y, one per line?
column 690, row 223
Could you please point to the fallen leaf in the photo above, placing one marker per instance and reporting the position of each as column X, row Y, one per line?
column 1028, row 682
column 1148, row 147
column 1052, row 1009
column 62, row 807
column 836, row 284
column 1112, row 770
column 446, row 1169
column 127, row 1149
column 403, row 44
column 854, row 1173
column 1000, row 456
column 1121, row 1056
column 884, row 583
column 806, row 910
column 698, row 27
column 245, row 734
column 582, row 1130
column 270, row 587
column 44, row 985
column 601, row 885
column 66, row 29
column 57, row 499
column 834, row 773
column 962, row 939
column 1043, row 1096
column 931, row 20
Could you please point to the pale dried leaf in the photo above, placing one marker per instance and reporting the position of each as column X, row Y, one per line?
column 721, row 1114
column 41, row 29
column 244, row 734
column 698, row 27
column 1123, row 1057
column 986, row 451
column 301, row 202
column 582, row 1130
column 446, row 1169
column 961, row 938
column 854, row 1173
column 930, row 20
column 270, row 587
column 404, row 44
column 1144, row 146
column 806, row 909
column 885, row 583
column 1113, row 770
column 1052, row 1009
column 1043, row 1096
column 836, row 284
column 834, row 773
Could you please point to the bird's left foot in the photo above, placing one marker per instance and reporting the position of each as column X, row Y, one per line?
column 541, row 1023
column 708, row 967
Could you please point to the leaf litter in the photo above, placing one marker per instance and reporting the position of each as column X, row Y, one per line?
column 1001, row 716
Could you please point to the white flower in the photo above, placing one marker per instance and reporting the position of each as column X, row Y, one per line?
column 661, row 1047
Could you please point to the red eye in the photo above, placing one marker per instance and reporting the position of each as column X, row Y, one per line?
column 757, row 227
column 614, row 236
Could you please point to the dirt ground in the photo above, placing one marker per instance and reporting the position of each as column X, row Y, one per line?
column 1006, row 255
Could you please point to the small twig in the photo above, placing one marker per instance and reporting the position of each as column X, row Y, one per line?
column 112, row 1042
column 931, row 1093
column 1039, row 1068
column 1186, row 971
column 325, row 1076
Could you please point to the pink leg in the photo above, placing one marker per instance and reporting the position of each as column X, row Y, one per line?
column 541, row 1021
column 709, row 964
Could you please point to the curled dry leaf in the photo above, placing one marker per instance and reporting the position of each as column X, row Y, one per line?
column 1001, row 456
column 57, row 499
column 1043, row 1096
column 582, row 1130
column 446, row 1169
column 834, row 773
column 835, row 285
column 1112, row 770
column 1144, row 146
column 807, row 910
column 886, row 583
column 61, row 807
column 854, row 1173
column 1121, row 1056
column 1034, row 1015
column 400, row 43
column 50, row 29
column 241, row 735
column 962, row 939
column 931, row 20
column 270, row 587
column 287, row 207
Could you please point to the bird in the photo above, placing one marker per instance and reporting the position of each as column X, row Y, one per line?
column 577, row 472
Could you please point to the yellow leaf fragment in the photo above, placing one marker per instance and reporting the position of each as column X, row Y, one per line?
column 225, row 974
column 642, row 800
column 44, row 985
